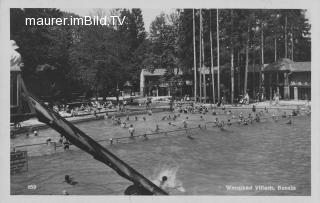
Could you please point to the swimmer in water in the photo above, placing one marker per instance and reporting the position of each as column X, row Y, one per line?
column 64, row 192
column 294, row 113
column 241, row 115
column 162, row 182
column 69, row 180
column 106, row 116
column 245, row 122
column 157, row 128
column 66, row 145
column 261, row 113
column 48, row 141
column 257, row 118
column 216, row 121
column 118, row 122
column 221, row 125
column 290, row 121
column 229, row 122
column 185, row 124
column 131, row 130
column 253, row 108
column 284, row 115
column 60, row 139
column 123, row 125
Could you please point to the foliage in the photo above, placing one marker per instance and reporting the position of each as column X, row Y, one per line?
column 100, row 59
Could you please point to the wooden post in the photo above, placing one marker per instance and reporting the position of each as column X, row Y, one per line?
column 278, row 83
column 286, row 86
column 270, row 86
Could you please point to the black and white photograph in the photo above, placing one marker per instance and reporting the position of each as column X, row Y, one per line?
column 144, row 101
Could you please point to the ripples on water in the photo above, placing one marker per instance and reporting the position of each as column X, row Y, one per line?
column 266, row 153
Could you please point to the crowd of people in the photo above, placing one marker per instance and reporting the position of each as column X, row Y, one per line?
column 253, row 116
column 180, row 113
column 85, row 108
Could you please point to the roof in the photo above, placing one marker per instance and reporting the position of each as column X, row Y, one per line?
column 256, row 67
column 287, row 65
column 302, row 67
column 158, row 72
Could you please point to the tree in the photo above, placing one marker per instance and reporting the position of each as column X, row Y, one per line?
column 40, row 46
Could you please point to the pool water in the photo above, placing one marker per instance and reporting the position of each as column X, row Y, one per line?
column 267, row 154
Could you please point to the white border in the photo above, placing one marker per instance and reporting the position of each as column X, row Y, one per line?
column 312, row 5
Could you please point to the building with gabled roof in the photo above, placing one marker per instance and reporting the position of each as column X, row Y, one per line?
column 289, row 79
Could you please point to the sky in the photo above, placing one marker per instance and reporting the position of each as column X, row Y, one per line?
column 148, row 14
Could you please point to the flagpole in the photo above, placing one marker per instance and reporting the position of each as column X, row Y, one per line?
column 203, row 68
column 218, row 59
column 212, row 71
column 200, row 76
column 194, row 58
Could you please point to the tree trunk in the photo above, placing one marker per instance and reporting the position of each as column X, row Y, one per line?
column 292, row 43
column 232, row 60
column 275, row 47
column 232, row 77
column 239, row 72
column 285, row 38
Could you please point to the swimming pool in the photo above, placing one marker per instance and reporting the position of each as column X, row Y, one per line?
column 267, row 154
